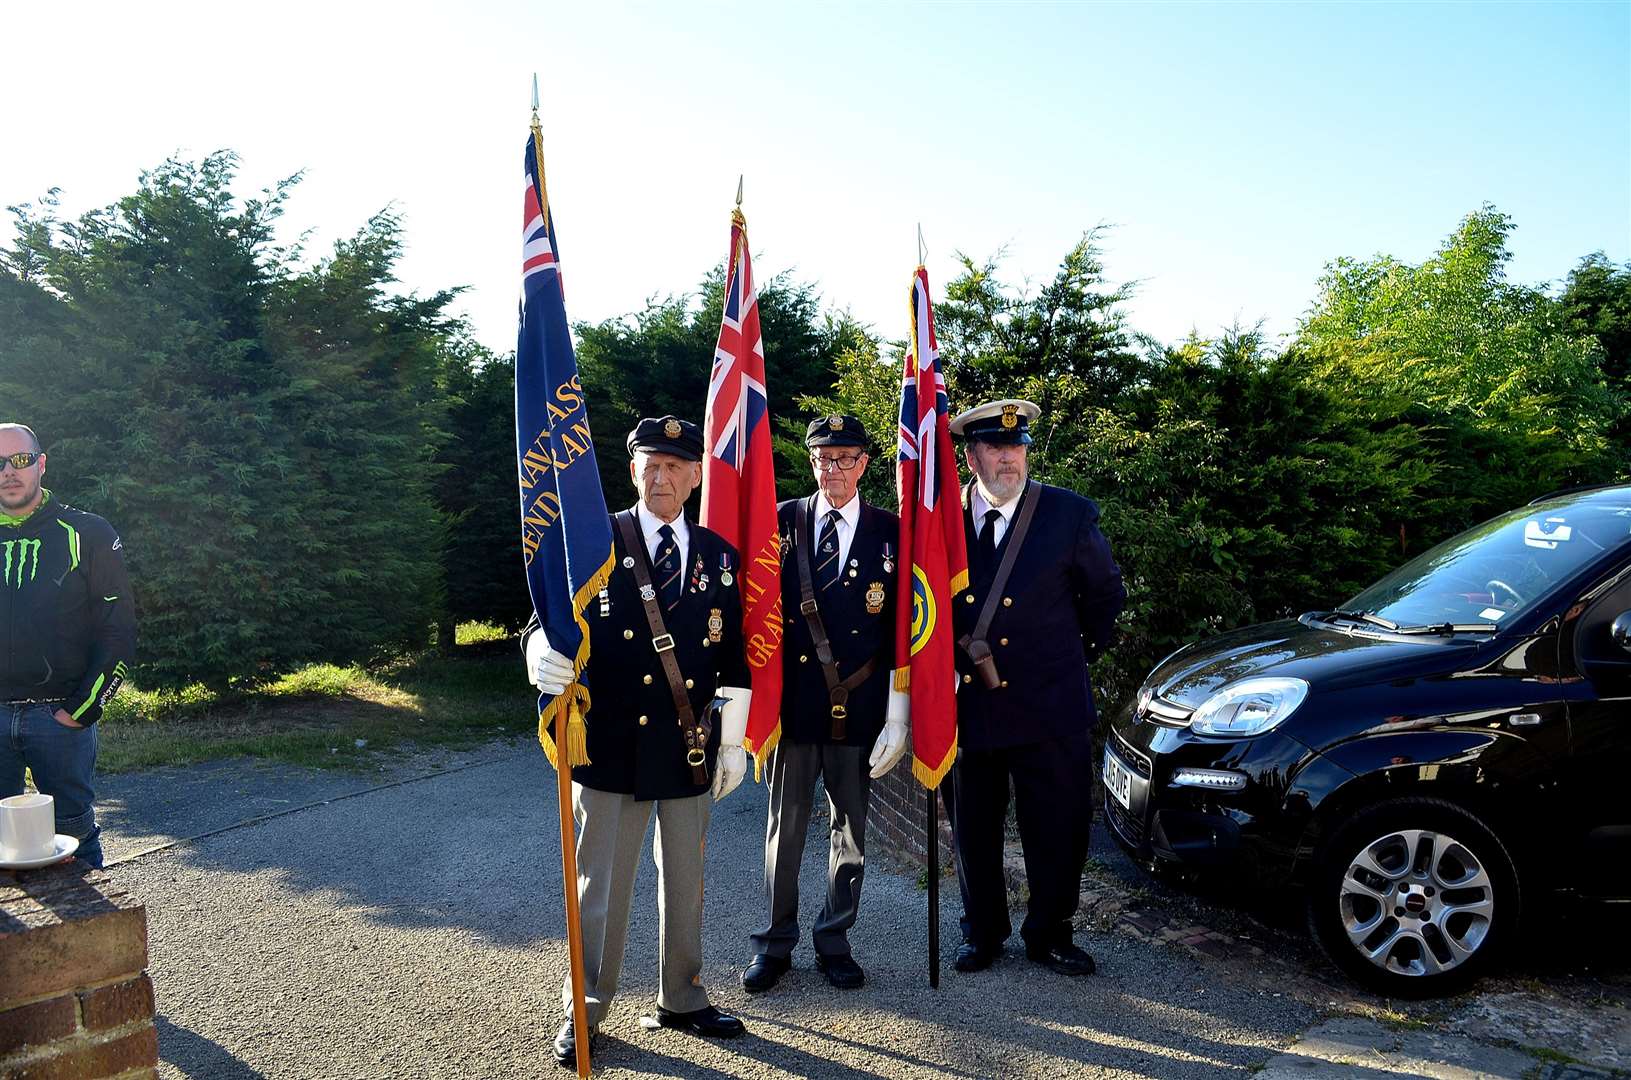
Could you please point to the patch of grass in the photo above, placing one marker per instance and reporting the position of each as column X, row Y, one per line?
column 477, row 633
column 1550, row 1056
column 317, row 715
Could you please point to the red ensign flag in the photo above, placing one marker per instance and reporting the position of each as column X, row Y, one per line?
column 934, row 555
column 739, row 486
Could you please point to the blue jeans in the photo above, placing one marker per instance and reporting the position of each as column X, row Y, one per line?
column 63, row 760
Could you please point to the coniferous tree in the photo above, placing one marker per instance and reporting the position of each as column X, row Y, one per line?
column 262, row 435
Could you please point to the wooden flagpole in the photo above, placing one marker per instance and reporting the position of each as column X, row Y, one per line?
column 563, row 769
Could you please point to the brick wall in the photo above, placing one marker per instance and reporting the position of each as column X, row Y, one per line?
column 75, row 1002
column 897, row 817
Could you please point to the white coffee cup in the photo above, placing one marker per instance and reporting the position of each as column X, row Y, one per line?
column 28, row 827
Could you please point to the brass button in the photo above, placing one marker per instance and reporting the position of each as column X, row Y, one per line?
column 1002, row 641
column 642, row 721
column 1008, row 601
column 704, row 643
column 968, row 678
column 968, row 598
column 648, row 680
column 689, row 684
column 627, row 634
column 1003, row 684
column 804, row 659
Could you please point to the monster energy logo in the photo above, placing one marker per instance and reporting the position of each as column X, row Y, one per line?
column 25, row 556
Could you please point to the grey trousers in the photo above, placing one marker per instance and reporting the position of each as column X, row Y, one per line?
column 611, row 828
column 794, row 768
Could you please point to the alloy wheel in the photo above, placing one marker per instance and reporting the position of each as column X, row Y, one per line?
column 1416, row 902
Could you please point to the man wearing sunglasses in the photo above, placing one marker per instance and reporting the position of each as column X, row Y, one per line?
column 838, row 589
column 68, row 631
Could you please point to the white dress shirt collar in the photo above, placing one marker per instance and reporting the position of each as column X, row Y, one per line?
column 650, row 524
column 849, row 518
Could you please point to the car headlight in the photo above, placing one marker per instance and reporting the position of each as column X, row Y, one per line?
column 1249, row 707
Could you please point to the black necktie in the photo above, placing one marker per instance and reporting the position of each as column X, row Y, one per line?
column 827, row 566
column 669, row 585
column 988, row 540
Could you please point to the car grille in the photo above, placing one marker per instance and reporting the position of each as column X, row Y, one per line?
column 1124, row 823
column 1167, row 713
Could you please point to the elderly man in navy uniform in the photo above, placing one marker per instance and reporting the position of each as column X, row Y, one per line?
column 838, row 655
column 665, row 648
column 1042, row 602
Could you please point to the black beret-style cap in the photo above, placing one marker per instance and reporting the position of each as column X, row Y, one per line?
column 667, row 435
column 835, row 430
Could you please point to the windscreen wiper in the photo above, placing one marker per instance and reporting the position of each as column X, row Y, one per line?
column 1358, row 616
column 1449, row 628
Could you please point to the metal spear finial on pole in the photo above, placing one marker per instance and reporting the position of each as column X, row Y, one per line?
column 739, row 191
column 922, row 252
column 535, row 93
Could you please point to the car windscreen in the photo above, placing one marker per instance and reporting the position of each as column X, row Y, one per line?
column 1504, row 567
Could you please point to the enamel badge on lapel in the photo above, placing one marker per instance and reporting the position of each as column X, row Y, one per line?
column 716, row 624
column 648, row 593
column 874, row 598
column 628, row 562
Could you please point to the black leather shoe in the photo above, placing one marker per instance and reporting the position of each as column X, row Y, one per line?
column 566, row 1046
column 1066, row 959
column 842, row 971
column 972, row 957
column 764, row 971
column 708, row 1022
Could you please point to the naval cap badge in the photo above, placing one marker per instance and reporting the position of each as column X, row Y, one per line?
column 672, row 429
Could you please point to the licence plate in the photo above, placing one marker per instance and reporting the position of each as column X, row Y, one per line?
column 1118, row 781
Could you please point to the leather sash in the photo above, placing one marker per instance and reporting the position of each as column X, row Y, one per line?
column 974, row 643
column 695, row 732
column 838, row 690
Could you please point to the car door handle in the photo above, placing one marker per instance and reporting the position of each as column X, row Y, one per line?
column 1524, row 719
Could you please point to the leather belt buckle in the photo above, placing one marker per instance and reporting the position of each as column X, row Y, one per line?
column 808, row 607
column 663, row 643
column 840, row 712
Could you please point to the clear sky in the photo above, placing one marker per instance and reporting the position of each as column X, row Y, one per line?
column 1235, row 147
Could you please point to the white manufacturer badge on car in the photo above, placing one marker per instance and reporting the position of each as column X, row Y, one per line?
column 1118, row 780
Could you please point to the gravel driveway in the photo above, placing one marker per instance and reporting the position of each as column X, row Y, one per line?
column 408, row 924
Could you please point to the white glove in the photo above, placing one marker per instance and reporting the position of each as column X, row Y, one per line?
column 549, row 670
column 732, row 763
column 892, row 739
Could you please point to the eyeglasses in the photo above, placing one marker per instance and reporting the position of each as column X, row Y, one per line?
column 20, row 460
column 842, row 462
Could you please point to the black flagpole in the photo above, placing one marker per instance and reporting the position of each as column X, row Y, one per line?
column 934, row 890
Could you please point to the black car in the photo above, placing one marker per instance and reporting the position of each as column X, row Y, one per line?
column 1446, row 749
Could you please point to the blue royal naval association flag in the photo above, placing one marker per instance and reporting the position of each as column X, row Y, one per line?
column 566, row 534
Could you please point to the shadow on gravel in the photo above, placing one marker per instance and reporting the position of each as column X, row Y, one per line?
column 196, row 1056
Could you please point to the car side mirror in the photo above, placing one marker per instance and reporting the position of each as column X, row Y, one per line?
column 1620, row 631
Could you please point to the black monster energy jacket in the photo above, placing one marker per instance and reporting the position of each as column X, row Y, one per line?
column 67, row 621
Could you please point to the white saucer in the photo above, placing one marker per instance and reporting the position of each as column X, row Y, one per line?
column 62, row 847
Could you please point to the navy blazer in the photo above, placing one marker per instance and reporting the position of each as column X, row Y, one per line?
column 860, row 625
column 635, row 744
column 1058, row 612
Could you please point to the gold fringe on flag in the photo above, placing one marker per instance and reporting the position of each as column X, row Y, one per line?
column 576, row 697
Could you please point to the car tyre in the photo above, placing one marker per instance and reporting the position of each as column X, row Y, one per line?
column 1413, row 897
